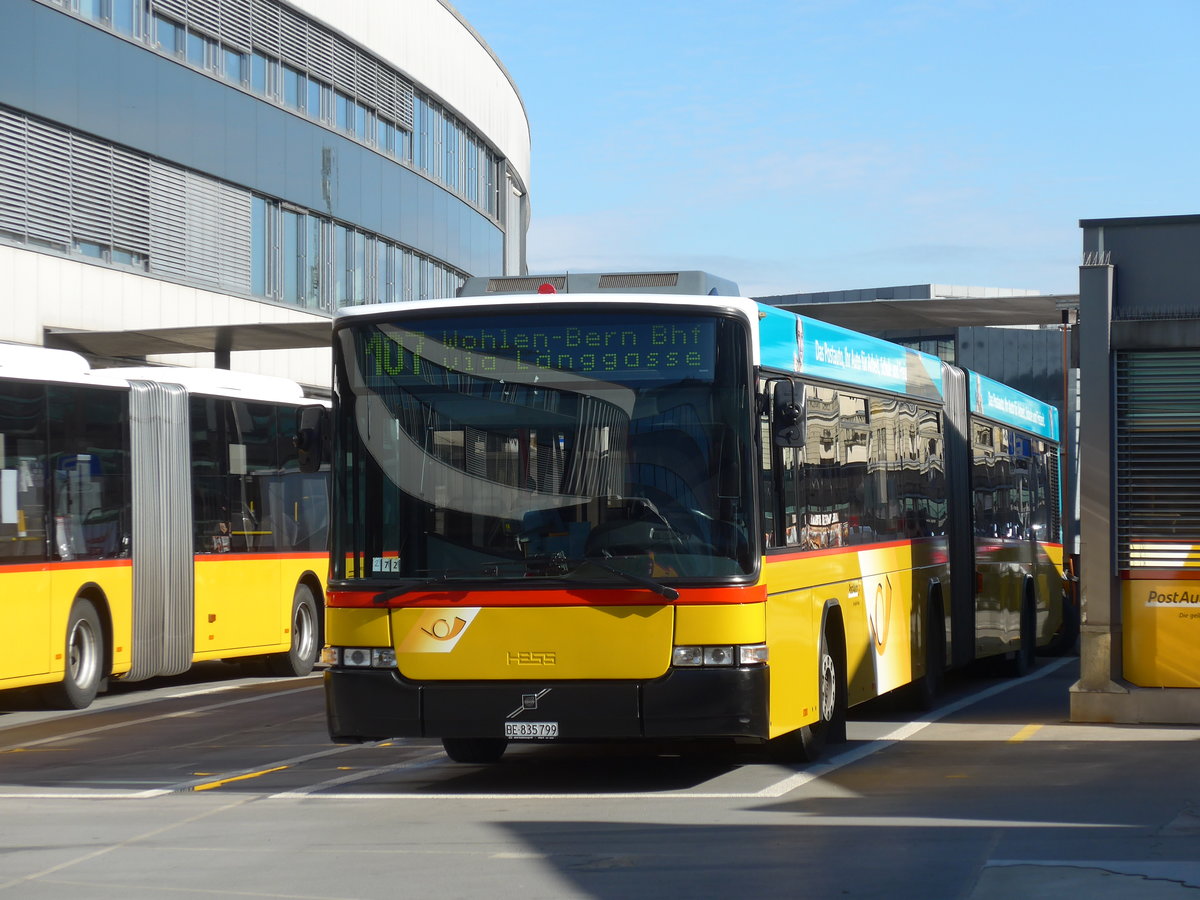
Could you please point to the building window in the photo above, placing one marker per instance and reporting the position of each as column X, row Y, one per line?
column 318, row 100
column 123, row 17
column 295, row 88
column 168, row 35
column 233, row 65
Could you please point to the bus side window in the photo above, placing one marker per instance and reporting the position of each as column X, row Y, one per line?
column 22, row 473
column 89, row 459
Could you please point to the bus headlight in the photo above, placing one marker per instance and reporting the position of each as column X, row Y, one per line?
column 360, row 657
column 718, row 656
column 688, row 656
column 752, row 655
column 693, row 655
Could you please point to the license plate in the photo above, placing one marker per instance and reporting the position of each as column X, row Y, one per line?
column 530, row 731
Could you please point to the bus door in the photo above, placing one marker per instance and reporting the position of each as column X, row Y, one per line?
column 24, row 585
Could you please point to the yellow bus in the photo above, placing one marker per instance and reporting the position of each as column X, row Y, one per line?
column 151, row 518
column 640, row 506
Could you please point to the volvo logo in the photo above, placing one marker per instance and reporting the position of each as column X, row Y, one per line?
column 528, row 701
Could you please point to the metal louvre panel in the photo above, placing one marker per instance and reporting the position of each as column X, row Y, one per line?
column 367, row 80
column 236, row 23
column 637, row 280
column 404, row 102
column 131, row 201
column 206, row 14
column 1052, row 460
column 163, row 619
column 1158, row 465
column 168, row 220
column 320, row 52
column 91, row 189
column 13, row 157
column 265, row 25
column 293, row 40
column 388, row 98
column 202, row 217
column 343, row 65
column 234, row 239
column 48, row 167
column 176, row 9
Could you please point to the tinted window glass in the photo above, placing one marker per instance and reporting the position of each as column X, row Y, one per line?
column 88, row 458
column 23, row 514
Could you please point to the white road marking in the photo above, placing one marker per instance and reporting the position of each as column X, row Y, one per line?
column 772, row 791
column 175, row 715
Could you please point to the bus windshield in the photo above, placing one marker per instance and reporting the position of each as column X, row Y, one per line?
column 608, row 446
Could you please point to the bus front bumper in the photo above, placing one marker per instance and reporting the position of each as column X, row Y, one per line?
column 374, row 704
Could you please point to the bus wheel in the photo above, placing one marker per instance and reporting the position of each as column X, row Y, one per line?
column 475, row 750
column 83, row 659
column 807, row 743
column 1023, row 659
column 302, row 655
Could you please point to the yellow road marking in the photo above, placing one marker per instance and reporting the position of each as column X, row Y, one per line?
column 216, row 784
column 1025, row 733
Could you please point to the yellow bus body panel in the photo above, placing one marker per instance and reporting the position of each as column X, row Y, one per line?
column 243, row 606
column 742, row 623
column 880, row 597
column 34, row 606
column 358, row 627
column 494, row 643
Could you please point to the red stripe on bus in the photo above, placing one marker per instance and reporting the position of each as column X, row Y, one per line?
column 63, row 565
column 316, row 557
column 551, row 597
column 60, row 565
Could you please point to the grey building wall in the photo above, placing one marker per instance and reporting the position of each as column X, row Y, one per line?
column 59, row 68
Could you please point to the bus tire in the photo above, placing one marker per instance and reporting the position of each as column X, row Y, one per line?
column 807, row 743
column 1066, row 640
column 475, row 750
column 1023, row 658
column 83, row 660
column 929, row 686
column 302, row 655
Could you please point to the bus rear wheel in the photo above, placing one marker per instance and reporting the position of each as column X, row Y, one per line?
column 1024, row 656
column 83, row 660
column 302, row 655
column 475, row 750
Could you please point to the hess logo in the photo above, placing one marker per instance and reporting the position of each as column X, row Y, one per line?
column 532, row 658
column 443, row 630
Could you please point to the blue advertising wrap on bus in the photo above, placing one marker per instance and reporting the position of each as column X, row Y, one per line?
column 820, row 350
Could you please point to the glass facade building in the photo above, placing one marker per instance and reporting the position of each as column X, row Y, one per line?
column 218, row 162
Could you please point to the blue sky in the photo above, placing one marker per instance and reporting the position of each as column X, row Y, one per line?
column 834, row 144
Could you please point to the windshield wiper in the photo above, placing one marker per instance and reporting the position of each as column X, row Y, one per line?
column 559, row 564
column 668, row 592
column 433, row 581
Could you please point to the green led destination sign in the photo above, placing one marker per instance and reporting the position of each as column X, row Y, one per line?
column 605, row 347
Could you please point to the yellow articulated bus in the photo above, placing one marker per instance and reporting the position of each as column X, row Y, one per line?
column 639, row 506
column 151, row 518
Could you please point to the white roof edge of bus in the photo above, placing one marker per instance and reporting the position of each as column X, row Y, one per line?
column 67, row 367
column 217, row 382
column 30, row 361
column 745, row 304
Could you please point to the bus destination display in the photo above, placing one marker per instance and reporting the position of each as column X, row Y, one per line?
column 610, row 349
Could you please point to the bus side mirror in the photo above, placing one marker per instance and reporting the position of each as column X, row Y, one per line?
column 788, row 414
column 309, row 439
